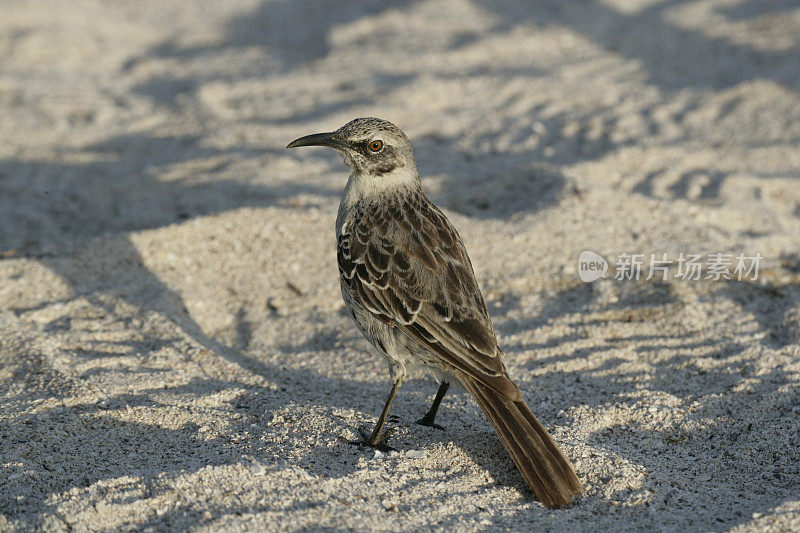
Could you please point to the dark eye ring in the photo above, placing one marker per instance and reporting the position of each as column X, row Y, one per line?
column 376, row 145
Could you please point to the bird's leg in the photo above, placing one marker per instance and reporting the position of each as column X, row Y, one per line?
column 430, row 416
column 378, row 437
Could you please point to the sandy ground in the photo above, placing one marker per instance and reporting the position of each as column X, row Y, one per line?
column 174, row 353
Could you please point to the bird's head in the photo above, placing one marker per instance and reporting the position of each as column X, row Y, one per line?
column 369, row 146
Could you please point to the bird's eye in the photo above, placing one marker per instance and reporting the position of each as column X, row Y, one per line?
column 376, row 145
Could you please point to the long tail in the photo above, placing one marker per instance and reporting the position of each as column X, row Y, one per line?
column 533, row 450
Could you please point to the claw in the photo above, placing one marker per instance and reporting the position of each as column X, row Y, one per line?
column 378, row 443
column 424, row 421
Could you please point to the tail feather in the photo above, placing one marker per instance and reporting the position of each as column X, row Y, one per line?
column 530, row 446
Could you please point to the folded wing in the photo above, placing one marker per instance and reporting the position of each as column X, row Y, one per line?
column 406, row 263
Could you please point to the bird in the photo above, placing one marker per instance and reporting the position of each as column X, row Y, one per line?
column 410, row 288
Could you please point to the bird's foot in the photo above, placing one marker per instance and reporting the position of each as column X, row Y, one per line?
column 429, row 421
column 373, row 441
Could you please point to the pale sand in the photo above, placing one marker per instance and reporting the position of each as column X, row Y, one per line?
column 173, row 347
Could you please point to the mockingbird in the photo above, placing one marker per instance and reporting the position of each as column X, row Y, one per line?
column 409, row 286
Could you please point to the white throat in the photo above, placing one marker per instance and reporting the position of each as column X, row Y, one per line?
column 362, row 186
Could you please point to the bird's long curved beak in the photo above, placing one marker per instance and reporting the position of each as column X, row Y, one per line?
column 317, row 139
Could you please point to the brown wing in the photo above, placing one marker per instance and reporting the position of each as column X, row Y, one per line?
column 406, row 263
